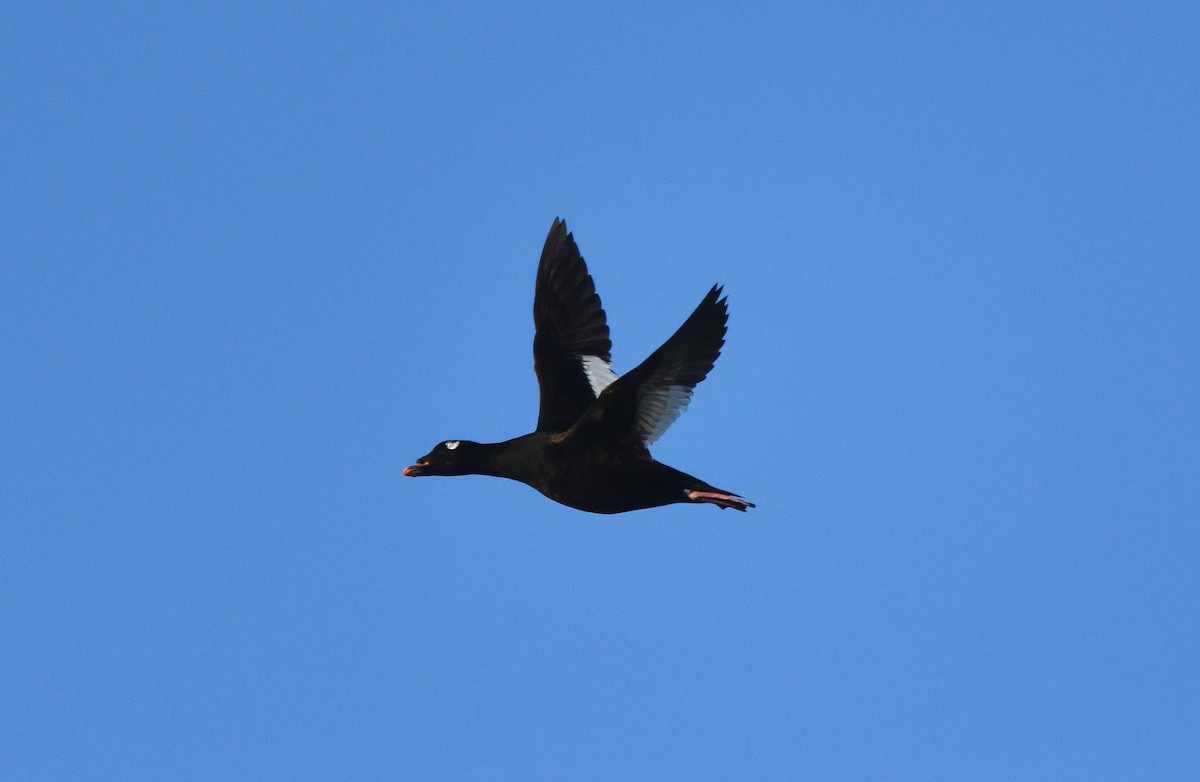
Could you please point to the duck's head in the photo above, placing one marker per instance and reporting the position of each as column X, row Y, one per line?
column 451, row 457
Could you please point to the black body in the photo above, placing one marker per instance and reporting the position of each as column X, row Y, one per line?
column 590, row 448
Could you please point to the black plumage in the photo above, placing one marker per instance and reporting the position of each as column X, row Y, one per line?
column 590, row 447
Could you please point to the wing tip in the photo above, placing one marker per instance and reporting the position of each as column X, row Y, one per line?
column 558, row 234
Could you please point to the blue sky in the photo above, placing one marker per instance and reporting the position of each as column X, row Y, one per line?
column 256, row 260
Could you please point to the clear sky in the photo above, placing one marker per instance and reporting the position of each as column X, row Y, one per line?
column 255, row 260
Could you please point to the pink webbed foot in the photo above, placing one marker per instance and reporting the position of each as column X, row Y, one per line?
column 720, row 499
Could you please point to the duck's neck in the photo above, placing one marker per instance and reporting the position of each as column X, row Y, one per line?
column 518, row 459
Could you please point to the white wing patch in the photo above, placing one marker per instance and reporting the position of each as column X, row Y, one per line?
column 658, row 409
column 599, row 373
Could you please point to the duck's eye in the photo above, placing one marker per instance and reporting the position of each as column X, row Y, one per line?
column 451, row 445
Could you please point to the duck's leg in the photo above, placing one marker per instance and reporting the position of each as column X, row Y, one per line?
column 720, row 499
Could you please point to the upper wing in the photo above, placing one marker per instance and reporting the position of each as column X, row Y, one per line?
column 642, row 403
column 571, row 349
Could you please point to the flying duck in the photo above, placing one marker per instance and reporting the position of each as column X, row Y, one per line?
column 590, row 449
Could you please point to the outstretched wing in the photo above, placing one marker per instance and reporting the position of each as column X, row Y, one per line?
column 643, row 403
column 571, row 349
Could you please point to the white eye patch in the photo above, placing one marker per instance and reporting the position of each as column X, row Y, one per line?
column 451, row 445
